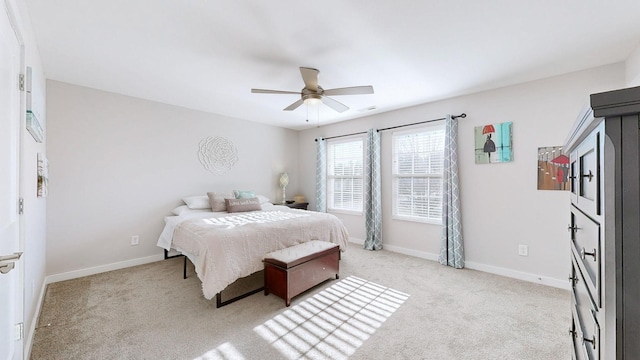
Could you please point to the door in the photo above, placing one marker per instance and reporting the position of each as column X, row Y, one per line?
column 10, row 283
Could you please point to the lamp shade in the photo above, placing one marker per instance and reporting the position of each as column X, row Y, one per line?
column 284, row 180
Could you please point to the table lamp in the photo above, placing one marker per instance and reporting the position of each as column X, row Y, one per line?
column 284, row 181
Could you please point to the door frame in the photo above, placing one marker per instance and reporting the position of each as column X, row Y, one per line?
column 11, row 10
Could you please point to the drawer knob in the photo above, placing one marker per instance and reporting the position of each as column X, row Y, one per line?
column 573, row 280
column 572, row 228
column 592, row 341
column 584, row 254
column 589, row 175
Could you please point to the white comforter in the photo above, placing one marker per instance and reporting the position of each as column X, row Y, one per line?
column 225, row 247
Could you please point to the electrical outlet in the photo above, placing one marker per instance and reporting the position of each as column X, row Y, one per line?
column 135, row 240
column 523, row 250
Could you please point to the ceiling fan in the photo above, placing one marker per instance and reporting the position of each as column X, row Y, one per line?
column 312, row 93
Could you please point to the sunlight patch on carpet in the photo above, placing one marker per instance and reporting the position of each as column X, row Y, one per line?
column 334, row 323
column 225, row 351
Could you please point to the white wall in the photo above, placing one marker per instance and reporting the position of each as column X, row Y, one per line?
column 633, row 68
column 501, row 207
column 33, row 221
column 119, row 164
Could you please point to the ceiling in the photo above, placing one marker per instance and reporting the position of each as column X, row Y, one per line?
column 207, row 55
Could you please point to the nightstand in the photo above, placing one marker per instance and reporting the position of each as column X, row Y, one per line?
column 302, row 206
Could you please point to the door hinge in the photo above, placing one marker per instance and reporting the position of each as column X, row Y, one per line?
column 21, row 206
column 21, row 82
column 18, row 331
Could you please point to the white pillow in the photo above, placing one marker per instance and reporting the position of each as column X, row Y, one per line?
column 263, row 199
column 197, row 202
column 184, row 209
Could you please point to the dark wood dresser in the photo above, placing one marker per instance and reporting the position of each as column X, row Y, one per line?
column 604, row 152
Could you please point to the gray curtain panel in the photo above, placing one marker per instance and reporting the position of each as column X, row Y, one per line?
column 372, row 192
column 451, row 252
column 321, row 175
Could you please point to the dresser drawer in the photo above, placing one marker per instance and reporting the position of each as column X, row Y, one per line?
column 585, row 346
column 584, row 312
column 578, row 351
column 586, row 246
column 585, row 174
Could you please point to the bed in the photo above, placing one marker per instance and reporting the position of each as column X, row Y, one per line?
column 225, row 247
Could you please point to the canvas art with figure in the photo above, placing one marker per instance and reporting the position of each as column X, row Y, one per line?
column 493, row 143
column 553, row 169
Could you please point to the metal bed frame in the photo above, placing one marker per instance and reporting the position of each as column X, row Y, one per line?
column 219, row 301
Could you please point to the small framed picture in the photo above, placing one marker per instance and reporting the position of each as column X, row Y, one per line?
column 43, row 175
column 493, row 143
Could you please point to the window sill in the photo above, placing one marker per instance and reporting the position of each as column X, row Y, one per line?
column 345, row 212
column 418, row 220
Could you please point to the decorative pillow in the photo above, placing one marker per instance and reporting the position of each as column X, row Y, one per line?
column 242, row 205
column 197, row 202
column 243, row 194
column 184, row 209
column 216, row 199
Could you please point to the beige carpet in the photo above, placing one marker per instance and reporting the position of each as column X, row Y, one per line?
column 384, row 306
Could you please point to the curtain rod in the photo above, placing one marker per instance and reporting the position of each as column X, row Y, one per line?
column 463, row 115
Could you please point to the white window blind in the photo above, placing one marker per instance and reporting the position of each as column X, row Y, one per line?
column 418, row 157
column 345, row 178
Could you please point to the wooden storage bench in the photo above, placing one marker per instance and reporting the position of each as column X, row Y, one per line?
column 294, row 270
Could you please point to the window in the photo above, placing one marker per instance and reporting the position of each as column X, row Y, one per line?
column 418, row 157
column 345, row 178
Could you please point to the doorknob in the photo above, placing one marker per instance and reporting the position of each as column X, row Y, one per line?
column 8, row 262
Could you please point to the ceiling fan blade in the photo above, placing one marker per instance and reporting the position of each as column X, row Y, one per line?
column 310, row 78
column 353, row 90
column 265, row 91
column 294, row 105
column 334, row 104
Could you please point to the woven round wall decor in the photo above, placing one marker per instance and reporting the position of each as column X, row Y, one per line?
column 217, row 154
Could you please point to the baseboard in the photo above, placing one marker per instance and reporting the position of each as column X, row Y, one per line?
column 411, row 252
column 539, row 279
column 34, row 321
column 544, row 280
column 102, row 268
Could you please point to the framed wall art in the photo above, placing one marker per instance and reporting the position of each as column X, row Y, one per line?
column 493, row 143
column 43, row 175
column 553, row 168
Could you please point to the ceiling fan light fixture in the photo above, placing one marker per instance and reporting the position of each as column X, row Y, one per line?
column 313, row 100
